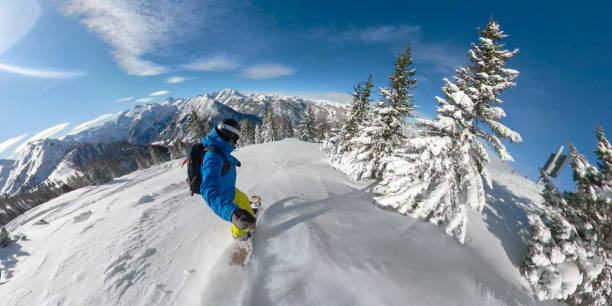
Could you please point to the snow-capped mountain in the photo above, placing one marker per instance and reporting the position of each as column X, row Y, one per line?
column 35, row 164
column 122, row 158
column 290, row 106
column 146, row 124
column 139, row 125
column 142, row 240
column 6, row 166
column 209, row 110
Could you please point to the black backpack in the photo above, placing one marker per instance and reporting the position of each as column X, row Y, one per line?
column 194, row 164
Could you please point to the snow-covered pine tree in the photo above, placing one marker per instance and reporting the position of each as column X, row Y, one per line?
column 360, row 108
column 590, row 212
column 285, row 129
column 323, row 127
column 572, row 259
column 307, row 127
column 338, row 144
column 196, row 126
column 553, row 248
column 439, row 175
column 247, row 132
column 604, row 153
column 268, row 132
column 258, row 133
column 382, row 133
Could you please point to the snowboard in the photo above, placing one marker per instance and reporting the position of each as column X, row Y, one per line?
column 242, row 250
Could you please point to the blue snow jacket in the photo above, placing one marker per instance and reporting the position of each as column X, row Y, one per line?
column 218, row 191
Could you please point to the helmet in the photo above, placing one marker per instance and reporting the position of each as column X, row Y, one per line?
column 229, row 130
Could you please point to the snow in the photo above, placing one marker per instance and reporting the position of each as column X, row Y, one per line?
column 142, row 240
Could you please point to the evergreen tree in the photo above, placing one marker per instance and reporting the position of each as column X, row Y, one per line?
column 268, row 132
column 360, row 107
column 247, row 132
column 576, row 236
column 307, row 129
column 382, row 133
column 323, row 127
column 440, row 174
column 198, row 129
column 258, row 133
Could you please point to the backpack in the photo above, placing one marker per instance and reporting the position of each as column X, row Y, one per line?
column 194, row 160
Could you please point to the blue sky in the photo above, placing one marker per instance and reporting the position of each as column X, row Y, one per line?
column 65, row 62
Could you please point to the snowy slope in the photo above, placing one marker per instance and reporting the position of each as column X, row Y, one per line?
column 6, row 166
column 139, row 125
column 142, row 240
column 36, row 161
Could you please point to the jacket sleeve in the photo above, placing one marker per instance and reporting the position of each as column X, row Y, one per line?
column 211, row 187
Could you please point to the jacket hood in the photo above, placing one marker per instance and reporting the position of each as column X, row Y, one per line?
column 213, row 139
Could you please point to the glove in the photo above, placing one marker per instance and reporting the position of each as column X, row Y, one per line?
column 242, row 219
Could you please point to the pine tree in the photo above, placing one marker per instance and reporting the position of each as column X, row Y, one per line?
column 196, row 126
column 323, row 127
column 247, row 132
column 360, row 107
column 307, row 128
column 578, row 225
column 258, row 133
column 268, row 132
column 439, row 175
column 381, row 133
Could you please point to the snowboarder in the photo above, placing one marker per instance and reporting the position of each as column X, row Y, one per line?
column 219, row 187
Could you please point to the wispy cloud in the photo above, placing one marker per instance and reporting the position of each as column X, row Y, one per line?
column 268, row 71
column 159, row 93
column 17, row 17
column 38, row 73
column 43, row 134
column 176, row 79
column 127, row 99
column 371, row 34
column 143, row 100
column 339, row 97
column 83, row 126
column 217, row 63
column 138, row 28
column 5, row 145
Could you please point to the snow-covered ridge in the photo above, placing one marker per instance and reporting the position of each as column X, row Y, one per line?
column 291, row 106
column 142, row 240
column 153, row 123
column 35, row 163
column 6, row 166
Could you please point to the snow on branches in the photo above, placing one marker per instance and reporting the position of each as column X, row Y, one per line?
column 369, row 136
column 439, row 175
column 570, row 253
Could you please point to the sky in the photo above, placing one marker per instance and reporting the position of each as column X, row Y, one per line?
column 66, row 62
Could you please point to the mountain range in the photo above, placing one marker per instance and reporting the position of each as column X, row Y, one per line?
column 54, row 159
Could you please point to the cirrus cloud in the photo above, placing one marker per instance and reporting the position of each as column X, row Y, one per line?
column 217, row 63
column 267, row 71
column 5, row 145
column 143, row 100
column 137, row 28
column 126, row 99
column 175, row 80
column 159, row 93
column 54, row 130
column 44, row 74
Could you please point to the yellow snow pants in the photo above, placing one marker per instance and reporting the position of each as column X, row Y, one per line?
column 242, row 200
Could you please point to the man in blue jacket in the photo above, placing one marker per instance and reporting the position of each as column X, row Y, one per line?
column 218, row 186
